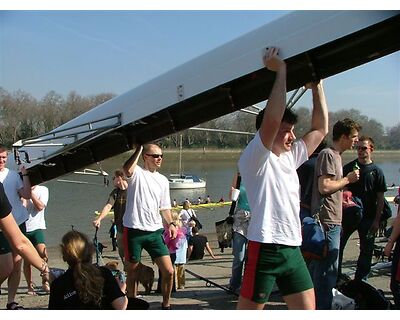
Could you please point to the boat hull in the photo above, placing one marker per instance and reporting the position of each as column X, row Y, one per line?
column 187, row 185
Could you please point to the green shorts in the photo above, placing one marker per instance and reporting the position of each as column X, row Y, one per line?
column 36, row 236
column 136, row 240
column 4, row 245
column 269, row 263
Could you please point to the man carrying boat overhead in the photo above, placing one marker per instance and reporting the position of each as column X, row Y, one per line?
column 147, row 196
column 268, row 168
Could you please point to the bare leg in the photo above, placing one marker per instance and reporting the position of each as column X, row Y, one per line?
column 301, row 301
column 167, row 272
column 42, row 250
column 6, row 266
column 131, row 283
column 28, row 277
column 14, row 278
column 246, row 304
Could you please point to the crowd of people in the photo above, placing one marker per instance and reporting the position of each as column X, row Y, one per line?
column 266, row 224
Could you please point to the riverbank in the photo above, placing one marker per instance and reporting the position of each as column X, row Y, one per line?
column 197, row 295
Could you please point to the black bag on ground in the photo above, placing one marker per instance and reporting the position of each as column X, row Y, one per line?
column 366, row 297
column 137, row 304
column 199, row 226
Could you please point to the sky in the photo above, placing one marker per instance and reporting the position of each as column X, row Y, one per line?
column 94, row 52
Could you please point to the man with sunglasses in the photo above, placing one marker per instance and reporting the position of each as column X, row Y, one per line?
column 370, row 189
column 147, row 197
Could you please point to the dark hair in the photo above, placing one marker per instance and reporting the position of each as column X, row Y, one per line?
column 195, row 230
column 344, row 127
column 3, row 148
column 289, row 117
column 369, row 139
column 119, row 173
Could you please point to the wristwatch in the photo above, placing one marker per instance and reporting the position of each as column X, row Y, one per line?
column 173, row 224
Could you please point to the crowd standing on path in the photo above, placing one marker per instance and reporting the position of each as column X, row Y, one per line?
column 16, row 187
column 147, row 195
column 35, row 231
column 13, row 237
column 274, row 232
column 327, row 202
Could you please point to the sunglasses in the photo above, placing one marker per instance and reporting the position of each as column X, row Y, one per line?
column 155, row 156
column 363, row 148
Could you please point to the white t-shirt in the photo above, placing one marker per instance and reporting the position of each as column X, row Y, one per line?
column 147, row 194
column 185, row 216
column 36, row 218
column 12, row 184
column 272, row 187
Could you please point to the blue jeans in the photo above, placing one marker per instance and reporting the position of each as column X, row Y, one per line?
column 324, row 272
column 239, row 243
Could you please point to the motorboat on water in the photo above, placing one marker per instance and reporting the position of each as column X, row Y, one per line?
column 185, row 181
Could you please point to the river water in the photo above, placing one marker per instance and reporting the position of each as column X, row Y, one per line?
column 73, row 204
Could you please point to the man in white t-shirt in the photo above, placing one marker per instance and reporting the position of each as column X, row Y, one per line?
column 148, row 203
column 268, row 168
column 35, row 226
column 15, row 188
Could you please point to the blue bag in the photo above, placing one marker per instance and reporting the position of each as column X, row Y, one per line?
column 314, row 245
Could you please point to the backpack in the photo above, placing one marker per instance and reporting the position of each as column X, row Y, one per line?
column 366, row 297
column 387, row 211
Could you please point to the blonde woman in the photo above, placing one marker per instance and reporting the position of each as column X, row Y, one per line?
column 83, row 285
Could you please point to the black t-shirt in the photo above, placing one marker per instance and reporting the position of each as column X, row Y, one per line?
column 199, row 244
column 117, row 199
column 5, row 207
column 372, row 181
column 306, row 179
column 63, row 294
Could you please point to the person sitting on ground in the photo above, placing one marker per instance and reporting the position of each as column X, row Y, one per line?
column 197, row 244
column 84, row 285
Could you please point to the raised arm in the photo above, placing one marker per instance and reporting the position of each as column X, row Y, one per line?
column 319, row 120
column 276, row 104
column 130, row 164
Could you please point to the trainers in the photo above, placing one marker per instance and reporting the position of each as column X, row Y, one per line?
column 14, row 306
